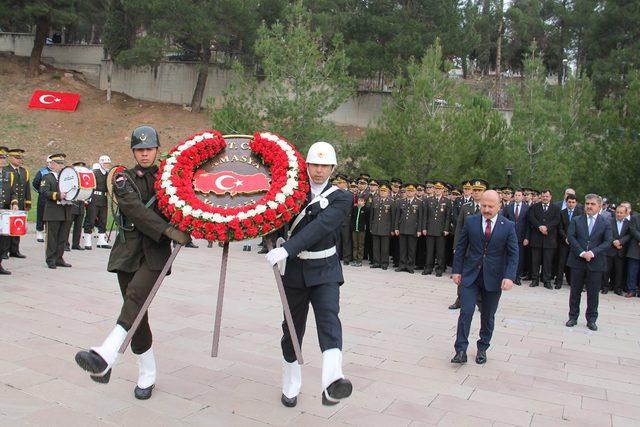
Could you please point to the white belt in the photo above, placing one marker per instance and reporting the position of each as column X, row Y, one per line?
column 98, row 193
column 317, row 254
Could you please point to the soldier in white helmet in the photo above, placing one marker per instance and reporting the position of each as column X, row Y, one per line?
column 313, row 275
column 97, row 209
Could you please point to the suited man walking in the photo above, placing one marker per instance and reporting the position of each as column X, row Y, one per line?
column 544, row 219
column 617, row 252
column 485, row 263
column 573, row 209
column 589, row 237
column 516, row 212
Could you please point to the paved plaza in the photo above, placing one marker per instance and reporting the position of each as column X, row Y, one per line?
column 398, row 340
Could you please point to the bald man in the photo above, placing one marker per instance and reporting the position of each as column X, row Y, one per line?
column 485, row 263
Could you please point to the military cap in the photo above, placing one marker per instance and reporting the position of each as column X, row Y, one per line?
column 428, row 183
column 340, row 178
column 353, row 183
column 479, row 184
column 83, row 164
column 419, row 187
column 3, row 152
column 364, row 175
column 58, row 158
column 467, row 185
column 362, row 180
column 409, row 186
column 16, row 152
column 507, row 189
column 374, row 182
column 384, row 185
column 396, row 181
column 440, row 185
column 456, row 192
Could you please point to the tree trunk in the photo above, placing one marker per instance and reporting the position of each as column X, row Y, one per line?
column 203, row 73
column 42, row 29
column 109, row 73
column 499, row 57
column 92, row 39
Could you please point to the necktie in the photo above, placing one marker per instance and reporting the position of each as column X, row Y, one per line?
column 477, row 209
column 544, row 207
column 570, row 214
column 590, row 225
column 487, row 230
column 517, row 214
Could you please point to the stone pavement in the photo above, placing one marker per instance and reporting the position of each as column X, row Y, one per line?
column 398, row 339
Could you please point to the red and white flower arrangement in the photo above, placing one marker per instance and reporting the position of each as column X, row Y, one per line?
column 178, row 201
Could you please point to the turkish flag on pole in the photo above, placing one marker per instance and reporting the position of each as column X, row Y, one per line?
column 18, row 225
column 51, row 100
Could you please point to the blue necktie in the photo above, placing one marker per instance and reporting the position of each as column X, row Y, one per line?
column 570, row 215
column 590, row 225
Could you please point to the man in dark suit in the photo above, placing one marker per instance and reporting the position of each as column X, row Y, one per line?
column 573, row 208
column 485, row 263
column 544, row 219
column 633, row 256
column 516, row 212
column 617, row 252
column 589, row 237
column 313, row 275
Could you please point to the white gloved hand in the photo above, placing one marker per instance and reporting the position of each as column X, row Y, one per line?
column 276, row 255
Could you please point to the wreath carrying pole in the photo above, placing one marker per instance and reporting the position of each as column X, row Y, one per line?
column 221, row 282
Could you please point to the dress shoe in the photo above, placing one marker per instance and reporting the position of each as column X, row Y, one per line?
column 67, row 248
column 384, row 267
column 264, row 251
column 5, row 256
column 92, row 362
column 4, row 271
column 571, row 323
column 62, row 263
column 618, row 292
column 51, row 265
column 40, row 240
column 143, row 393
column 345, row 262
column 339, row 389
column 548, row 285
column 455, row 305
column 189, row 245
column 481, row 357
column 210, row 245
column 534, row 284
column 106, row 246
column 409, row 270
column 358, row 264
column 399, row 269
column 17, row 255
column 629, row 295
column 592, row 326
column 438, row 273
column 518, row 282
column 102, row 379
column 289, row 402
column 87, row 248
column 374, row 266
column 558, row 286
column 460, row 357
column 77, row 248
column 427, row 272
column 604, row 291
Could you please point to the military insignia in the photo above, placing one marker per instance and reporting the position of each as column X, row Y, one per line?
column 143, row 136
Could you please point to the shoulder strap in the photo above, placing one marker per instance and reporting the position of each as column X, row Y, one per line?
column 304, row 210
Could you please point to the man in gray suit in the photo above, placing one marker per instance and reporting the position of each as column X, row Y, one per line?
column 589, row 236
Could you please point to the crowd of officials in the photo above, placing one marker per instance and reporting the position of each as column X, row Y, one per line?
column 413, row 227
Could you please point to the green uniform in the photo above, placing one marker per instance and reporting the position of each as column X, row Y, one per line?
column 381, row 218
column 436, row 220
column 57, row 219
column 22, row 191
column 140, row 250
column 7, row 198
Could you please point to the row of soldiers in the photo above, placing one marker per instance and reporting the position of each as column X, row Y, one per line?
column 416, row 225
column 15, row 194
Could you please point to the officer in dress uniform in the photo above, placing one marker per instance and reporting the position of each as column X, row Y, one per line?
column 22, row 191
column 8, row 200
column 407, row 227
column 37, row 179
column 381, row 210
column 396, row 184
column 140, row 251
column 470, row 208
column 313, row 275
column 78, row 212
column 57, row 214
column 97, row 209
column 421, row 245
column 374, row 188
column 344, row 234
column 436, row 224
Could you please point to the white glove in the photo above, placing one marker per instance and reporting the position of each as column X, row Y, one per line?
column 276, row 255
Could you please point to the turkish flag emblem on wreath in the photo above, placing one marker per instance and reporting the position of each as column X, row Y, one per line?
column 50, row 100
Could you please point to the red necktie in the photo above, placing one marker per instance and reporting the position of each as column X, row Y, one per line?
column 487, row 230
column 517, row 211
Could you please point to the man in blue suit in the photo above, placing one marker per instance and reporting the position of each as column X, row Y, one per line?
column 589, row 236
column 516, row 212
column 485, row 262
